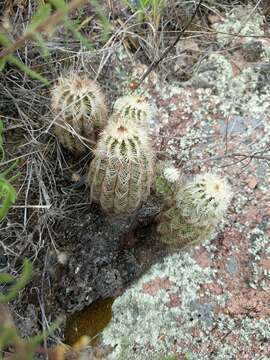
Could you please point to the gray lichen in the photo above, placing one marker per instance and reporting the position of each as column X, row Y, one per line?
column 148, row 322
column 240, row 22
column 259, row 245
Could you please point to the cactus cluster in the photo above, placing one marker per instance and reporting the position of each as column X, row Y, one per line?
column 81, row 111
column 197, row 208
column 121, row 172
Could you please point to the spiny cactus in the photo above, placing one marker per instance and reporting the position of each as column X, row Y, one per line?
column 81, row 111
column 134, row 109
column 204, row 200
column 176, row 231
column 197, row 209
column 120, row 174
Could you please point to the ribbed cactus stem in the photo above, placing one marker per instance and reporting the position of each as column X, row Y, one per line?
column 133, row 109
column 176, row 231
column 80, row 111
column 120, row 175
column 198, row 207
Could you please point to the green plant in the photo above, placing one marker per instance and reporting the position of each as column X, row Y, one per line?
column 147, row 10
column 196, row 210
column 80, row 111
column 10, row 340
column 120, row 175
column 133, row 109
column 46, row 19
column 176, row 231
column 17, row 284
column 7, row 191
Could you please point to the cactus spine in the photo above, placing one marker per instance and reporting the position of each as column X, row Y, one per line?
column 134, row 109
column 120, row 174
column 81, row 111
column 199, row 206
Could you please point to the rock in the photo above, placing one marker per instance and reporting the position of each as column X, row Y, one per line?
column 210, row 302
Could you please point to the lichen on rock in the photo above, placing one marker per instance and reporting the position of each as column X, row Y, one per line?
column 239, row 23
column 146, row 317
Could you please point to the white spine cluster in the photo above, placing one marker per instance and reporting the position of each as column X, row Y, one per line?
column 171, row 174
column 204, row 200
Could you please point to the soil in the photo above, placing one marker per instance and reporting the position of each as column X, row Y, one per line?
column 97, row 258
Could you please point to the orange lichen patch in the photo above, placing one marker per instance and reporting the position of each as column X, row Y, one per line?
column 265, row 262
column 252, row 302
column 153, row 286
column 89, row 322
column 252, row 183
column 203, row 259
column 175, row 300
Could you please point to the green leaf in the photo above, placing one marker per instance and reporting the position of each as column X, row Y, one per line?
column 60, row 5
column 1, row 141
column 77, row 34
column 7, row 335
column 3, row 62
column 106, row 26
column 4, row 39
column 34, row 75
column 44, row 51
column 19, row 284
column 7, row 197
column 6, row 278
column 42, row 14
column 4, row 174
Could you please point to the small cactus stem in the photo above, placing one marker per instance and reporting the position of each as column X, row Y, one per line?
column 175, row 231
column 134, row 109
column 167, row 180
column 82, row 113
column 121, row 173
column 196, row 210
column 204, row 200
